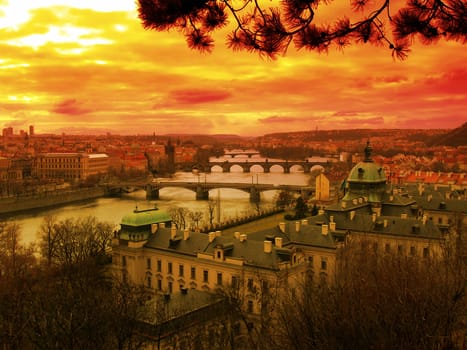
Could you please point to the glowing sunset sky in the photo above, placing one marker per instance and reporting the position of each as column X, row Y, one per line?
column 89, row 65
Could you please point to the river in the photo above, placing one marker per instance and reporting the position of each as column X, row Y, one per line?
column 232, row 202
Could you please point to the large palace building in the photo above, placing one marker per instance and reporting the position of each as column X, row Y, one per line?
column 70, row 166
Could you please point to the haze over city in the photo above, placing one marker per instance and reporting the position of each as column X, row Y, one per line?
column 90, row 66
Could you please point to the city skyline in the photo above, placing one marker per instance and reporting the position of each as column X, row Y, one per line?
column 92, row 67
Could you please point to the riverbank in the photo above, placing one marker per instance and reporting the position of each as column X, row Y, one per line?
column 18, row 204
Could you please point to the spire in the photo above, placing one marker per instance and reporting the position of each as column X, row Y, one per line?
column 368, row 150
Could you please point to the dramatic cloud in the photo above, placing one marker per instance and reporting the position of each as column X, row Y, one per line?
column 70, row 107
column 198, row 96
column 89, row 64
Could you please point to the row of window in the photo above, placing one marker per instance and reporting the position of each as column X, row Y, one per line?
column 324, row 262
column 181, row 273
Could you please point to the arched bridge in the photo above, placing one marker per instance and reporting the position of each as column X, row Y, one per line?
column 202, row 188
column 247, row 164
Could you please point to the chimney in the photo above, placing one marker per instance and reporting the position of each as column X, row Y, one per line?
column 430, row 197
column 324, row 229
column 391, row 198
column 278, row 241
column 385, row 223
column 355, row 201
column 403, row 216
column 344, row 205
column 332, row 226
column 211, row 236
column 153, row 228
column 304, row 222
column 173, row 232
column 282, row 226
column 424, row 218
column 378, row 211
column 297, row 226
column 186, row 234
column 352, row 215
column 237, row 235
column 331, row 218
column 320, row 212
column 161, row 224
column 242, row 237
column 218, row 233
column 373, row 217
column 267, row 246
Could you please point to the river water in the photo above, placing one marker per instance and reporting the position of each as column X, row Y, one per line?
column 233, row 202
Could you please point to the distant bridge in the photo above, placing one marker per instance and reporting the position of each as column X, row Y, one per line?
column 202, row 188
column 286, row 166
column 235, row 153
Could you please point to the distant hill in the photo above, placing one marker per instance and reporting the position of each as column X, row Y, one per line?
column 356, row 134
column 454, row 138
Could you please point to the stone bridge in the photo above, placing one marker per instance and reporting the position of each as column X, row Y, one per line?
column 202, row 189
column 247, row 164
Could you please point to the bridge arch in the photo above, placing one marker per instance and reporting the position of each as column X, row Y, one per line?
column 297, row 168
column 277, row 168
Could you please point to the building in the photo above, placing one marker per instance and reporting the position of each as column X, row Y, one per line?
column 70, row 166
column 149, row 250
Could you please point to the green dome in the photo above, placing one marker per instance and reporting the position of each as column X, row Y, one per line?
column 145, row 217
column 367, row 171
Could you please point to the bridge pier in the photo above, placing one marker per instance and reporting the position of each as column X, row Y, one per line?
column 201, row 193
column 152, row 192
column 254, row 195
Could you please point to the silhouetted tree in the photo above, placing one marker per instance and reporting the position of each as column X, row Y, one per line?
column 383, row 301
column 301, row 208
column 271, row 30
column 17, row 271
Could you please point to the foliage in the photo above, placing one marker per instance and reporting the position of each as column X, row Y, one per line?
column 70, row 302
column 73, row 241
column 269, row 31
column 378, row 301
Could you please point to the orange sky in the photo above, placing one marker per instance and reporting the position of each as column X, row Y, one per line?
column 90, row 66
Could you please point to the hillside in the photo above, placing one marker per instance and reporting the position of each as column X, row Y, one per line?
column 454, row 138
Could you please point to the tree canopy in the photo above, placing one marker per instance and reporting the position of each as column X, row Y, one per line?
column 270, row 30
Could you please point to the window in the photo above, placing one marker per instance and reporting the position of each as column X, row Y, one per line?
column 159, row 284
column 205, row 276
column 159, row 266
column 193, row 273
column 426, row 252
column 149, row 281
column 387, row 248
column 413, row 252
column 170, row 287
column 234, row 281
column 440, row 220
column 169, row 267
column 310, row 259
column 123, row 260
column 148, row 263
column 250, row 306
column 219, row 278
column 250, row 284
column 400, row 249
column 219, row 254
column 324, row 264
column 180, row 270
column 265, row 286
